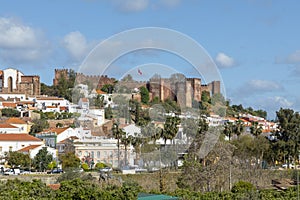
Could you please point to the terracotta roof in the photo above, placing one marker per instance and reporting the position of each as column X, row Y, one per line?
column 70, row 138
column 7, row 126
column 51, row 106
column 100, row 92
column 84, row 99
column 9, row 104
column 63, row 108
column 54, row 186
column 18, row 137
column 49, row 98
column 26, row 149
column 15, row 120
column 56, row 130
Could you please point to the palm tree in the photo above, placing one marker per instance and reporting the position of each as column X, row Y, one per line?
column 228, row 130
column 117, row 132
column 136, row 143
column 126, row 141
column 255, row 129
column 238, row 128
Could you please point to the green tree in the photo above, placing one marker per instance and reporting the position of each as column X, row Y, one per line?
column 69, row 160
column 144, row 95
column 255, row 129
column 9, row 112
column 99, row 101
column 15, row 158
column 205, row 97
column 228, row 130
column 170, row 128
column 118, row 134
column 108, row 113
column 238, row 128
column 38, row 126
column 42, row 159
column 288, row 132
column 108, row 88
column 126, row 141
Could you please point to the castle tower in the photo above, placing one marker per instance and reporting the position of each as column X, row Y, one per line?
column 59, row 73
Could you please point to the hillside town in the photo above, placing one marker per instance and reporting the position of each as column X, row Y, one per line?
column 96, row 124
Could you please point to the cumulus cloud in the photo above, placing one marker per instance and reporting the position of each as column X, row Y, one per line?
column 76, row 44
column 20, row 43
column 257, row 87
column 263, row 85
column 141, row 5
column 224, row 61
column 130, row 5
column 294, row 57
column 170, row 3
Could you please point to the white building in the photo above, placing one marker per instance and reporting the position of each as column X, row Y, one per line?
column 15, row 142
column 51, row 104
column 32, row 150
column 102, row 150
column 21, row 124
column 8, row 128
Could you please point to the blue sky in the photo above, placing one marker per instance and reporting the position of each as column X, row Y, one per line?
column 255, row 43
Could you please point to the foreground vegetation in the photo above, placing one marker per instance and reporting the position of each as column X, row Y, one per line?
column 87, row 187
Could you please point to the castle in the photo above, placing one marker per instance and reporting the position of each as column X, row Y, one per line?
column 13, row 81
column 96, row 81
column 180, row 89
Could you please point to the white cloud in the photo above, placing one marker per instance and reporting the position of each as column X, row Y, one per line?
column 257, row 87
column 141, row 5
column 294, row 57
column 76, row 45
column 131, row 5
column 224, row 61
column 20, row 43
column 263, row 85
column 170, row 3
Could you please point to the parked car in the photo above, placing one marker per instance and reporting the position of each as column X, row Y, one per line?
column 24, row 172
column 55, row 171
column 12, row 171
column 106, row 169
column 291, row 166
column 140, row 170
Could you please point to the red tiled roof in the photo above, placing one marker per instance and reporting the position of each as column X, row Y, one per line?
column 63, row 108
column 15, row 120
column 51, row 106
column 49, row 98
column 18, row 137
column 54, row 186
column 7, row 126
column 84, row 99
column 56, row 130
column 65, row 140
column 9, row 104
column 100, row 92
column 26, row 149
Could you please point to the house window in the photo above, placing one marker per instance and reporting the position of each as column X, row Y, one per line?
column 0, row 149
column 10, row 148
column 98, row 154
